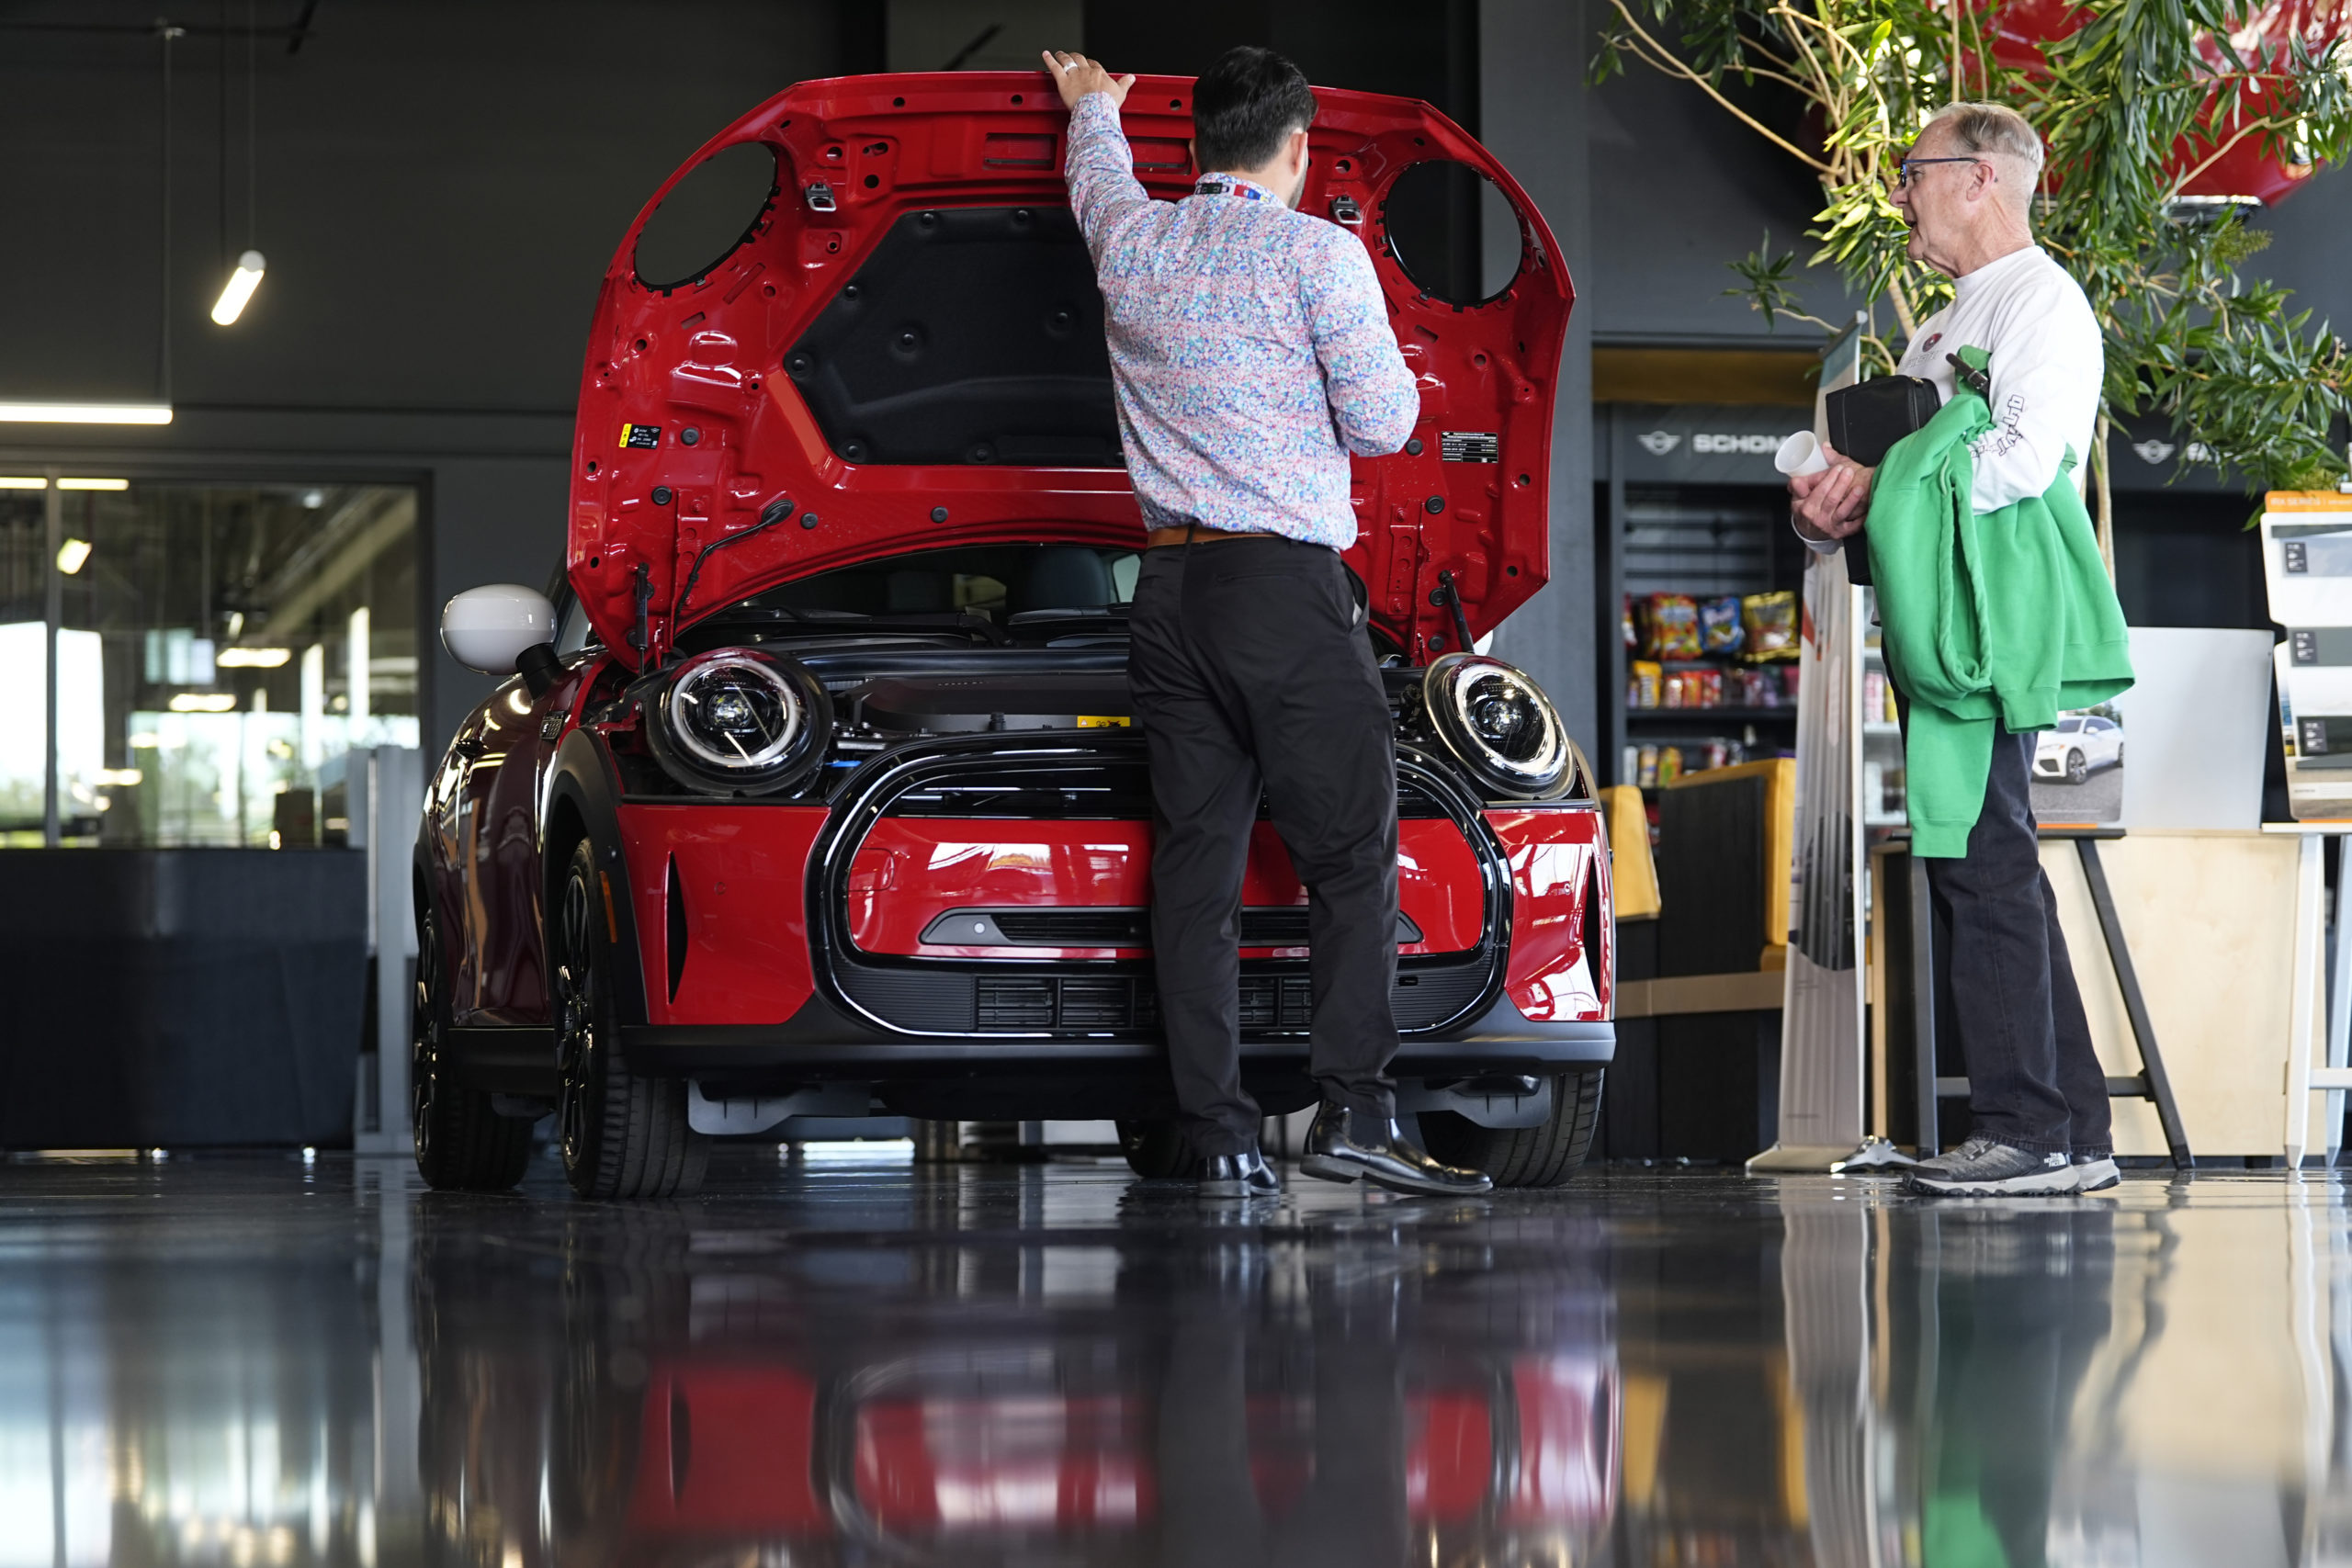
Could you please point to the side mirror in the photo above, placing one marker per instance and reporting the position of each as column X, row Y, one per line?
column 488, row 628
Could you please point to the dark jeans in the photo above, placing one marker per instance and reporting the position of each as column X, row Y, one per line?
column 2034, row 1082
column 1249, row 673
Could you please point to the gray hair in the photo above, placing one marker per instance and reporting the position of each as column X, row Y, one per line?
column 1999, row 134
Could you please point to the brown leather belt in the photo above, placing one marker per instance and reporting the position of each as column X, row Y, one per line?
column 1201, row 532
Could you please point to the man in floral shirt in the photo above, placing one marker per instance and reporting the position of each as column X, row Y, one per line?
column 1252, row 353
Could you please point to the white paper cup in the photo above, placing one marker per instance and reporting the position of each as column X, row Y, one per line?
column 1800, row 454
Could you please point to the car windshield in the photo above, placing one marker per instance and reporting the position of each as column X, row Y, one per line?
column 1006, row 585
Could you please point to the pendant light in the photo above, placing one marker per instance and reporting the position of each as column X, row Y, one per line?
column 238, row 289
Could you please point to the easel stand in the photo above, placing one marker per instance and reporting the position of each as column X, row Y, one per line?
column 2149, row 1083
column 2310, row 950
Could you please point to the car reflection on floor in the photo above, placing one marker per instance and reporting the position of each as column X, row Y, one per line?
column 1304, row 1391
column 256, row 1360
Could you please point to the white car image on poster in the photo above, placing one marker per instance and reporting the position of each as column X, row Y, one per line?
column 2078, row 768
column 2081, row 745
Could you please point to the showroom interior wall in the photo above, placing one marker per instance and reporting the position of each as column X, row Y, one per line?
column 440, row 186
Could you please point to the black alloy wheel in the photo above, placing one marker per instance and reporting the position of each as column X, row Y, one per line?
column 1547, row 1155
column 2076, row 769
column 462, row 1144
column 622, row 1136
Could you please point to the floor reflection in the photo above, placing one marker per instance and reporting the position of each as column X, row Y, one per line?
column 252, row 1361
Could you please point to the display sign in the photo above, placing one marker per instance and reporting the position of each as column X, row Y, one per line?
column 1821, row 1033
column 2307, row 569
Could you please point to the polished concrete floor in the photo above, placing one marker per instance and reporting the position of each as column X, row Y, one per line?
column 822, row 1361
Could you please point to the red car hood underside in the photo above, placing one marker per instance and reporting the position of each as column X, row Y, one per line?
column 716, row 356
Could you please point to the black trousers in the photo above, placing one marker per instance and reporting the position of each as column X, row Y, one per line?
column 1249, row 673
column 2034, row 1082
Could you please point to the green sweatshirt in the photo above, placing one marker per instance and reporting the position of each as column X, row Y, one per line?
column 2006, row 617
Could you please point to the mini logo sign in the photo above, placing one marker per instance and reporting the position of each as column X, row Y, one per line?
column 2154, row 451
column 1658, row 442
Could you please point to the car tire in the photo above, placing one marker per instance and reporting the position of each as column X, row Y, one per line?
column 462, row 1145
column 622, row 1136
column 2076, row 769
column 1547, row 1155
column 2118, row 753
column 1156, row 1150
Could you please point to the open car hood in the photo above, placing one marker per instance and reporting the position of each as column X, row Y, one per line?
column 904, row 351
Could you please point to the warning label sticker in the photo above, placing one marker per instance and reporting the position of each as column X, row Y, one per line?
column 645, row 435
column 1470, row 445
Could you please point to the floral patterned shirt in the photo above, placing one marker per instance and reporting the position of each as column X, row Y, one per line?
column 1250, row 346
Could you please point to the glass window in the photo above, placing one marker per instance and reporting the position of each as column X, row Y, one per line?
column 219, row 648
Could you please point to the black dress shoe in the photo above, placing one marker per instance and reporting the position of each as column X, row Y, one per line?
column 1345, row 1145
column 1245, row 1175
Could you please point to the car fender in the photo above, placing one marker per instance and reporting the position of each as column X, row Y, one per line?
column 583, row 782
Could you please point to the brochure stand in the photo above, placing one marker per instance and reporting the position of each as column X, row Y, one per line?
column 2307, row 571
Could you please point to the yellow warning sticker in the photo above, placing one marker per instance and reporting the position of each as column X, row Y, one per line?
column 1102, row 721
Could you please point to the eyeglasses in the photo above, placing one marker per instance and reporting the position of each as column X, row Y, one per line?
column 1903, row 170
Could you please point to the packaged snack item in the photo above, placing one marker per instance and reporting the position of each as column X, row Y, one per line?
column 1631, row 772
column 1646, row 773
column 1771, row 622
column 1670, row 765
column 1673, row 626
column 1646, row 681
column 1873, row 697
column 1719, row 627
column 1625, row 623
column 1711, row 688
column 1676, row 686
column 1789, row 683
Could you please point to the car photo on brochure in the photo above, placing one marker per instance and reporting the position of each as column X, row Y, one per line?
column 2078, row 767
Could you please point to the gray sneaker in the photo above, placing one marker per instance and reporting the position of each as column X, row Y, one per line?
column 1981, row 1167
column 2095, row 1172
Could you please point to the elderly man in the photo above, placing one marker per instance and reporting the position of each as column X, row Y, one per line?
column 1252, row 353
column 2037, row 1091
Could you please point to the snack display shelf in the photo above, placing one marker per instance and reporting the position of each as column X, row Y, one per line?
column 1713, row 716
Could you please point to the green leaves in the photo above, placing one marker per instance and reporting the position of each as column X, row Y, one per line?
column 2251, row 388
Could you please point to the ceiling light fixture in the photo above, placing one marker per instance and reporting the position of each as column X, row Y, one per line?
column 86, row 413
column 92, row 484
column 23, row 481
column 203, row 702
column 73, row 556
column 239, row 289
column 253, row 658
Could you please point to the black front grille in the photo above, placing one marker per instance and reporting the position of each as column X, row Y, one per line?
column 1067, row 790
column 928, row 999
column 1075, row 928
column 1273, row 925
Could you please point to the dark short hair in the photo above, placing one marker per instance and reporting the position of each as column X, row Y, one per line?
column 1246, row 106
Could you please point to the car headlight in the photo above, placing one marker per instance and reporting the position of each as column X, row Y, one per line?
column 742, row 720
column 1500, row 724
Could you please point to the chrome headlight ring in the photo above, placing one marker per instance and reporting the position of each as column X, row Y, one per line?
column 1500, row 725
column 740, row 720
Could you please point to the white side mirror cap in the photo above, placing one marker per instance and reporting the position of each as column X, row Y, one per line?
column 487, row 628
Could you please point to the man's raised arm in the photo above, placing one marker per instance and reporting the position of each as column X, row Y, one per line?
column 1098, row 163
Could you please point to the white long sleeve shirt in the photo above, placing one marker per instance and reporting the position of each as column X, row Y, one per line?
column 2048, row 362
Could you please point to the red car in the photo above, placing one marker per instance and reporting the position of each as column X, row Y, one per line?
column 814, row 794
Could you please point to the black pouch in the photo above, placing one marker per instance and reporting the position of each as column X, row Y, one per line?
column 1867, row 420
